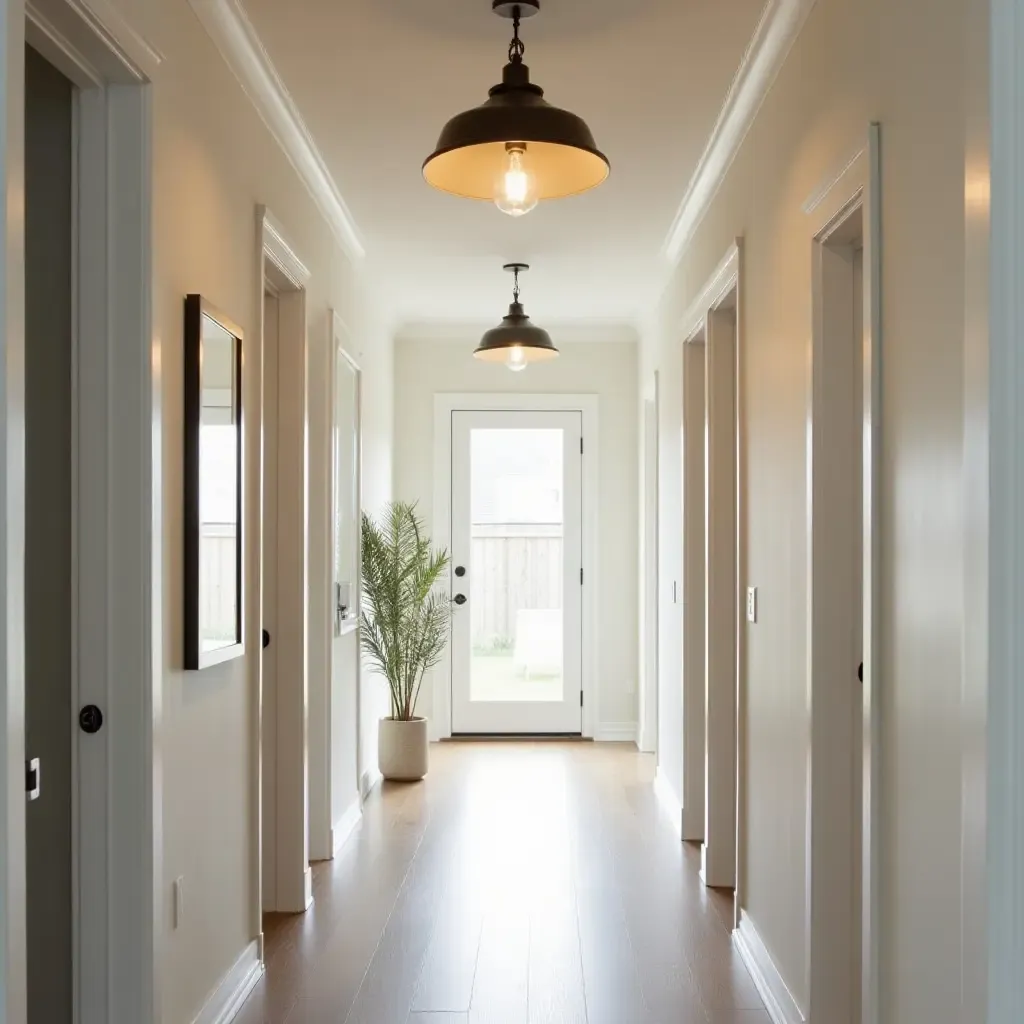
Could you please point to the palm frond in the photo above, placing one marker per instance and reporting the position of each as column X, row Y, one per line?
column 406, row 618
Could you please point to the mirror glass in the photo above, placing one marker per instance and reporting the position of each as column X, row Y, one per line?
column 219, row 460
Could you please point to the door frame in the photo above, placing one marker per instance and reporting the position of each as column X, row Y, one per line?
column 341, row 347
column 647, row 731
column 828, row 920
column 278, row 263
column 586, row 404
column 117, row 485
column 563, row 717
column 723, row 287
column 997, row 508
column 326, row 833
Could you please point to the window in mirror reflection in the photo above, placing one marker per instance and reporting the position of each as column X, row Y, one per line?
column 218, row 491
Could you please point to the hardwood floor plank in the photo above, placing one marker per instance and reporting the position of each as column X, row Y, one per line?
column 521, row 883
column 446, row 977
column 386, row 993
column 556, row 988
column 500, row 990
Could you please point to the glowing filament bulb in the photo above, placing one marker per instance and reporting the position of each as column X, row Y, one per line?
column 516, row 359
column 516, row 191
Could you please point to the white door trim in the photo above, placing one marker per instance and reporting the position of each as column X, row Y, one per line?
column 340, row 347
column 294, row 878
column 1006, row 515
column 858, row 186
column 692, row 616
column 724, row 285
column 721, row 591
column 323, row 629
column 647, row 731
column 444, row 406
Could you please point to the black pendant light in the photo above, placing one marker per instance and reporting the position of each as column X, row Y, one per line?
column 515, row 341
column 516, row 148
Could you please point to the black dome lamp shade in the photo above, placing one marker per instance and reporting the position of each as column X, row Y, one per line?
column 515, row 341
column 516, row 148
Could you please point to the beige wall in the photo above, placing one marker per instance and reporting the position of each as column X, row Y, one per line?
column 607, row 369
column 900, row 62
column 213, row 162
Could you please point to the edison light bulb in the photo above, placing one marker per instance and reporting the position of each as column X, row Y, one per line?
column 516, row 191
column 516, row 359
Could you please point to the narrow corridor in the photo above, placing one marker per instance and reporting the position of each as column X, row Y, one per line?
column 521, row 883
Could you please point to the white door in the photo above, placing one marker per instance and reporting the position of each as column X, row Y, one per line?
column 517, row 558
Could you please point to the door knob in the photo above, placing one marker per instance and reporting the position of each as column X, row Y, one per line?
column 460, row 598
column 90, row 719
column 460, row 570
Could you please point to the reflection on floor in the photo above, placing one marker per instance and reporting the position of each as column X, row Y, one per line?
column 521, row 883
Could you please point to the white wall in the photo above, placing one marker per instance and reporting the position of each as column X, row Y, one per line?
column 213, row 162
column 426, row 366
column 855, row 61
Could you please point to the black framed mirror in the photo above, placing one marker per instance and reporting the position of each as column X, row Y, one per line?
column 212, row 486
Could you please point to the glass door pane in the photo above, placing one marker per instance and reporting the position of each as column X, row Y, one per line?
column 516, row 564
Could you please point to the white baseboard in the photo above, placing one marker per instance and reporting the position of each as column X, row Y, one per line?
column 235, row 986
column 616, row 732
column 779, row 1001
column 645, row 744
column 345, row 825
column 369, row 779
column 668, row 800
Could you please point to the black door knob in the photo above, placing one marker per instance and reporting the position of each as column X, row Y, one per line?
column 460, row 598
column 90, row 718
column 266, row 639
column 460, row 570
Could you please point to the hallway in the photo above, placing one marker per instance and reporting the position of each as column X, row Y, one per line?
column 521, row 883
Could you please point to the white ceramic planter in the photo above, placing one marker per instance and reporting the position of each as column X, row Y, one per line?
column 402, row 749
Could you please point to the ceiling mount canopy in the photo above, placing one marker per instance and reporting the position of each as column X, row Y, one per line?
column 515, row 341
column 516, row 148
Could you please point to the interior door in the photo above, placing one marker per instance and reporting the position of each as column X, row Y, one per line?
column 49, row 559
column 517, row 557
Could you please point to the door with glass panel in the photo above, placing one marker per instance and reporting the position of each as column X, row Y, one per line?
column 517, row 558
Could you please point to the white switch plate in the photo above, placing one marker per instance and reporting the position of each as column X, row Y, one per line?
column 179, row 900
column 751, row 604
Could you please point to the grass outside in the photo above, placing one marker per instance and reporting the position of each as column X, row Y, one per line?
column 494, row 677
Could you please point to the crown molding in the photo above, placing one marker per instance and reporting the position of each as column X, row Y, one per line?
column 779, row 26
column 233, row 34
column 277, row 249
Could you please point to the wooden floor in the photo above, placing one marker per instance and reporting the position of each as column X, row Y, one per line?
column 521, row 883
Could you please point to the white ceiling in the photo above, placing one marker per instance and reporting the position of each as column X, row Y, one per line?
column 376, row 79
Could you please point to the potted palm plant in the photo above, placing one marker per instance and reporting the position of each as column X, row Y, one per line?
column 405, row 628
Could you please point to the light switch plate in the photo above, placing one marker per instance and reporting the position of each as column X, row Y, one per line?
column 751, row 604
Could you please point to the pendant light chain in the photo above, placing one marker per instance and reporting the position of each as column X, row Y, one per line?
column 517, row 47
column 515, row 286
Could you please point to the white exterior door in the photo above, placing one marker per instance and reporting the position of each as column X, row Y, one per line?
column 517, row 572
